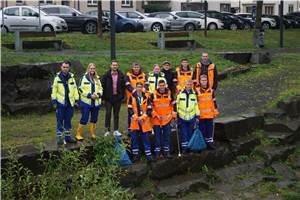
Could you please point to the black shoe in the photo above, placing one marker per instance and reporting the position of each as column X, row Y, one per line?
column 136, row 158
column 210, row 146
column 168, row 156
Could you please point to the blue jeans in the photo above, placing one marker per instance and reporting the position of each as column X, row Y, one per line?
column 63, row 119
column 162, row 138
column 85, row 114
column 186, row 129
column 206, row 126
column 135, row 143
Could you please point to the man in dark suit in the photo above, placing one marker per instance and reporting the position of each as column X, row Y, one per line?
column 113, row 83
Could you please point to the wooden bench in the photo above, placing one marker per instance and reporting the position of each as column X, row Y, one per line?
column 161, row 42
column 19, row 36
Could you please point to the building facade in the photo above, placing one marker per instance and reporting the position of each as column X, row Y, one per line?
column 269, row 6
column 81, row 5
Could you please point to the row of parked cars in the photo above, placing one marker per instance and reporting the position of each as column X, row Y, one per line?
column 63, row 18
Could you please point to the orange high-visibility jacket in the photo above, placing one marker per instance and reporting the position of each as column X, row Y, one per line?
column 162, row 108
column 140, row 114
column 133, row 79
column 182, row 77
column 206, row 104
column 210, row 77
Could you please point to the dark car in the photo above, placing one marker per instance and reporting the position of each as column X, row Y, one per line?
column 76, row 20
column 294, row 19
column 295, row 14
column 230, row 22
column 286, row 23
column 248, row 23
column 122, row 24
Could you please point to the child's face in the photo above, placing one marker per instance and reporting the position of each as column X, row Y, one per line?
column 184, row 63
column 203, row 82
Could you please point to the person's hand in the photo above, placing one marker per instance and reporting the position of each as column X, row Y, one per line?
column 94, row 96
column 54, row 104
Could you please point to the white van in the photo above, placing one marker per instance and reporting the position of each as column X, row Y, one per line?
column 28, row 18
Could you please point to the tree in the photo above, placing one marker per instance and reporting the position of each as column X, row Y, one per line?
column 99, row 26
column 258, row 29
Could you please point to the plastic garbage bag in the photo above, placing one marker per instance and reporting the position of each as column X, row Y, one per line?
column 197, row 142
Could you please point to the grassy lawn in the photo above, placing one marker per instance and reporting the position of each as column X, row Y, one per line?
column 217, row 40
column 38, row 128
column 125, row 61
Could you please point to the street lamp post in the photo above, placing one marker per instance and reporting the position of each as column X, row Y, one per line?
column 112, row 31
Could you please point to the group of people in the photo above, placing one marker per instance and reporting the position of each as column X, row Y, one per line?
column 155, row 102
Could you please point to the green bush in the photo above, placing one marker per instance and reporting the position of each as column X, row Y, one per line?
column 157, row 7
column 67, row 176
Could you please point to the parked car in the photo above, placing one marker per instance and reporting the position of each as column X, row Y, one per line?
column 122, row 24
column 266, row 22
column 150, row 23
column 76, row 20
column 295, row 13
column 212, row 23
column 248, row 23
column 294, row 19
column 286, row 23
column 229, row 22
column 27, row 18
column 178, row 23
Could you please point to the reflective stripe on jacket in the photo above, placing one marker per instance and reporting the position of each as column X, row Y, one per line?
column 162, row 108
column 59, row 88
column 87, row 88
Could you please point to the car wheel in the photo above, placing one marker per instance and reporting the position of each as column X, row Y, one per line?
column 157, row 27
column 233, row 27
column 212, row 26
column 266, row 25
column 4, row 30
column 47, row 28
column 90, row 28
column 128, row 28
column 189, row 27
column 247, row 26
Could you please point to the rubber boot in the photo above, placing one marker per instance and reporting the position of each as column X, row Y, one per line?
column 79, row 132
column 93, row 131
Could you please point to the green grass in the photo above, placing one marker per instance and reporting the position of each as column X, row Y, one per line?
column 125, row 61
column 218, row 40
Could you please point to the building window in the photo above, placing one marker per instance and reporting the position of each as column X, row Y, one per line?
column 19, row 2
column 249, row 9
column 127, row 3
column 45, row 1
column 269, row 10
column 92, row 3
column 291, row 8
column 225, row 7
column 65, row 2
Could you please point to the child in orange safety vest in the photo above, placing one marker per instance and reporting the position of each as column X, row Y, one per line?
column 208, row 111
column 163, row 112
column 139, row 111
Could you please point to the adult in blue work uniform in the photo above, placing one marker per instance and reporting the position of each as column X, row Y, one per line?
column 64, row 94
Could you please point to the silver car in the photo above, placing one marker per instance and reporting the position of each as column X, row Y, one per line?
column 178, row 23
column 28, row 18
column 150, row 24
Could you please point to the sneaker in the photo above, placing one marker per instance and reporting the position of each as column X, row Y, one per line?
column 60, row 140
column 210, row 146
column 107, row 133
column 117, row 133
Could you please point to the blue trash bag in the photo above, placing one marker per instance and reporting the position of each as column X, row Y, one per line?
column 197, row 142
column 124, row 159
